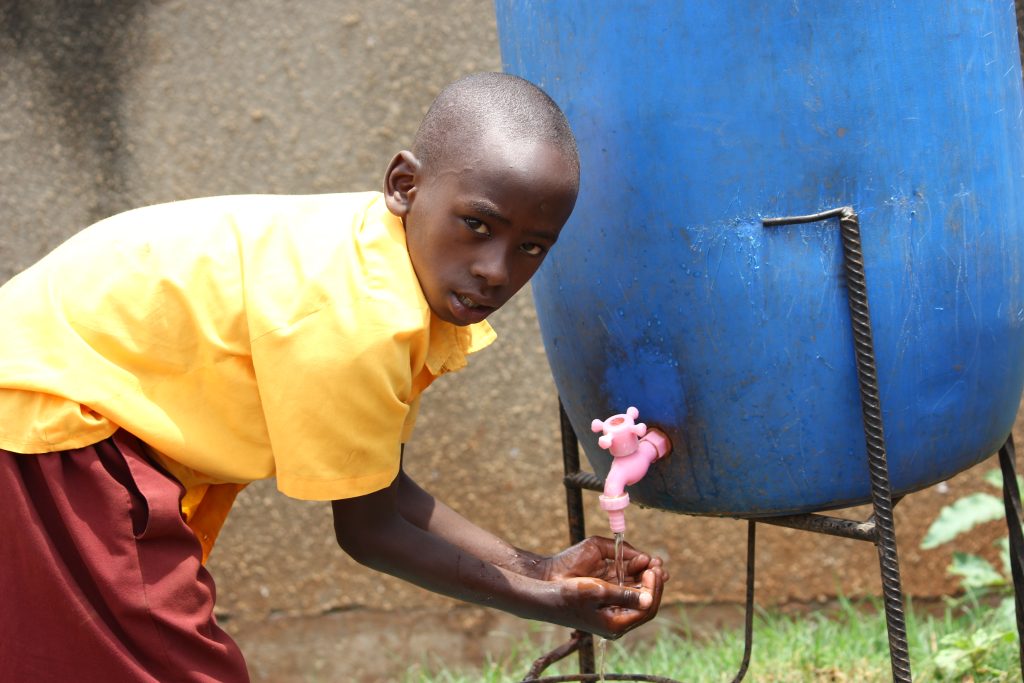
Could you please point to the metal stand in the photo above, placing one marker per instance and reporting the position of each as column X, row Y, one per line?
column 1011, row 500
column 878, row 529
column 576, row 481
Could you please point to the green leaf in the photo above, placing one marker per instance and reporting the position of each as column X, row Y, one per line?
column 975, row 572
column 952, row 661
column 961, row 653
column 962, row 516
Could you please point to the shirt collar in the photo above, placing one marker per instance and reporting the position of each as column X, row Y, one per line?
column 450, row 344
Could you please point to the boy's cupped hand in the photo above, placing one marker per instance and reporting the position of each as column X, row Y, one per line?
column 586, row 572
column 595, row 557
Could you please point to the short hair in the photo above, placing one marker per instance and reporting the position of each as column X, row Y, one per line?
column 479, row 102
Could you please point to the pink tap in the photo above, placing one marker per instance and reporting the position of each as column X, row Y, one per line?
column 633, row 449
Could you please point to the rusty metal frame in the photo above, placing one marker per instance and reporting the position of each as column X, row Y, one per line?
column 879, row 529
column 576, row 481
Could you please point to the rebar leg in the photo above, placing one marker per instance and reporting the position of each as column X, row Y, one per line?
column 577, row 523
column 892, row 593
column 871, row 410
column 748, row 622
column 1011, row 500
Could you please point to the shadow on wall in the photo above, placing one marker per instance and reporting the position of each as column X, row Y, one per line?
column 81, row 55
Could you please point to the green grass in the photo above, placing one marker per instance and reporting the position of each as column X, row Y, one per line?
column 850, row 644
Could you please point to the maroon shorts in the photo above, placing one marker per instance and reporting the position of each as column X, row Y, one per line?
column 100, row 578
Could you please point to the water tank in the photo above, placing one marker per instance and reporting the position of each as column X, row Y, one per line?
column 696, row 121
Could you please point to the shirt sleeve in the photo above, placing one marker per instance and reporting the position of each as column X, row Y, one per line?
column 336, row 398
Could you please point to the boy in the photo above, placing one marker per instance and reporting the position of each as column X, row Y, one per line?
column 162, row 359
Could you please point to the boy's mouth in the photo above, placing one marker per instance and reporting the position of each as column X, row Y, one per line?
column 467, row 302
column 467, row 310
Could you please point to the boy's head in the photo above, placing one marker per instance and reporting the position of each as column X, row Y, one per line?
column 491, row 179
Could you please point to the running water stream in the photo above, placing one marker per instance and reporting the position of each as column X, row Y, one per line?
column 620, row 570
column 620, row 577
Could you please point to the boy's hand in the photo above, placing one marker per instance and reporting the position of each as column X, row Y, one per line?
column 595, row 557
column 586, row 572
column 609, row 610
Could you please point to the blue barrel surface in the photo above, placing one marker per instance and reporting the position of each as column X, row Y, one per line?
column 697, row 120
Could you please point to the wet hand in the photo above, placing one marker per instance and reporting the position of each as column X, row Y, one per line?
column 610, row 610
column 595, row 557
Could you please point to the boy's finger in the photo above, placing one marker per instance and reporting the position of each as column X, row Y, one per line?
column 639, row 597
column 663, row 573
column 633, row 598
column 653, row 580
column 629, row 551
column 639, row 563
column 607, row 546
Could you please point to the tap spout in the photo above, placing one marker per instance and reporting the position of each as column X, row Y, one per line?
column 633, row 448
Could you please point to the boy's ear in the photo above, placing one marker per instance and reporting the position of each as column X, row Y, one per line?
column 400, row 182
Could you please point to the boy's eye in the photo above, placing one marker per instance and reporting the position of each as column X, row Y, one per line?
column 476, row 226
column 532, row 248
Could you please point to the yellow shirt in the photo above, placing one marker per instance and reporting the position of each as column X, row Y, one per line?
column 240, row 337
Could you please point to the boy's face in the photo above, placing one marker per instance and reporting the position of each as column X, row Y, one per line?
column 479, row 225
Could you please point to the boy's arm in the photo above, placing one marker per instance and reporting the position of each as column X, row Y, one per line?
column 586, row 559
column 428, row 513
column 376, row 533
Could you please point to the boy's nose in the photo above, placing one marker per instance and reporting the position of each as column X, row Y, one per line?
column 492, row 267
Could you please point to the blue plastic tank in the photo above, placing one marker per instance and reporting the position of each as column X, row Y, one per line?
column 695, row 121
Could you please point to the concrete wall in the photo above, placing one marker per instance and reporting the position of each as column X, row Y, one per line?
column 112, row 104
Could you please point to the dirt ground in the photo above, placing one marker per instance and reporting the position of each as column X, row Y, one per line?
column 364, row 646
